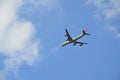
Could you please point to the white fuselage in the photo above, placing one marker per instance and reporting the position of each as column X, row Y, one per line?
column 74, row 39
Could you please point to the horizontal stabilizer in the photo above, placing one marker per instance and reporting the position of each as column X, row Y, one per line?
column 83, row 43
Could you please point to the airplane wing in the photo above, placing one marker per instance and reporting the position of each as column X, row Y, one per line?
column 81, row 43
column 68, row 35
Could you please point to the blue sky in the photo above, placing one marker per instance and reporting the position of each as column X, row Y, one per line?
column 32, row 31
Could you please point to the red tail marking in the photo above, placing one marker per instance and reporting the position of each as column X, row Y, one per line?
column 85, row 30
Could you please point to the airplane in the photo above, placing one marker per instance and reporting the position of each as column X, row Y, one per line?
column 74, row 40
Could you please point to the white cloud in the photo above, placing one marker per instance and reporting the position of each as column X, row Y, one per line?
column 17, row 41
column 14, row 37
column 108, row 10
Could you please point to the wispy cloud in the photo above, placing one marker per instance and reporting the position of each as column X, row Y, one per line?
column 48, row 4
column 108, row 10
column 54, row 50
column 41, row 6
column 114, row 31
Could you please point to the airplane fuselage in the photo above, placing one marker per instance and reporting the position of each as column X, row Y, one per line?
column 73, row 40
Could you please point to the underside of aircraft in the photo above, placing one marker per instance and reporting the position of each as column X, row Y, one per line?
column 74, row 40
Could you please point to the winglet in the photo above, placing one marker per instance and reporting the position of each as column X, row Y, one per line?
column 66, row 32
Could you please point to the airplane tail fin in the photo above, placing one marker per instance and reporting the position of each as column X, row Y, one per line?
column 85, row 32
